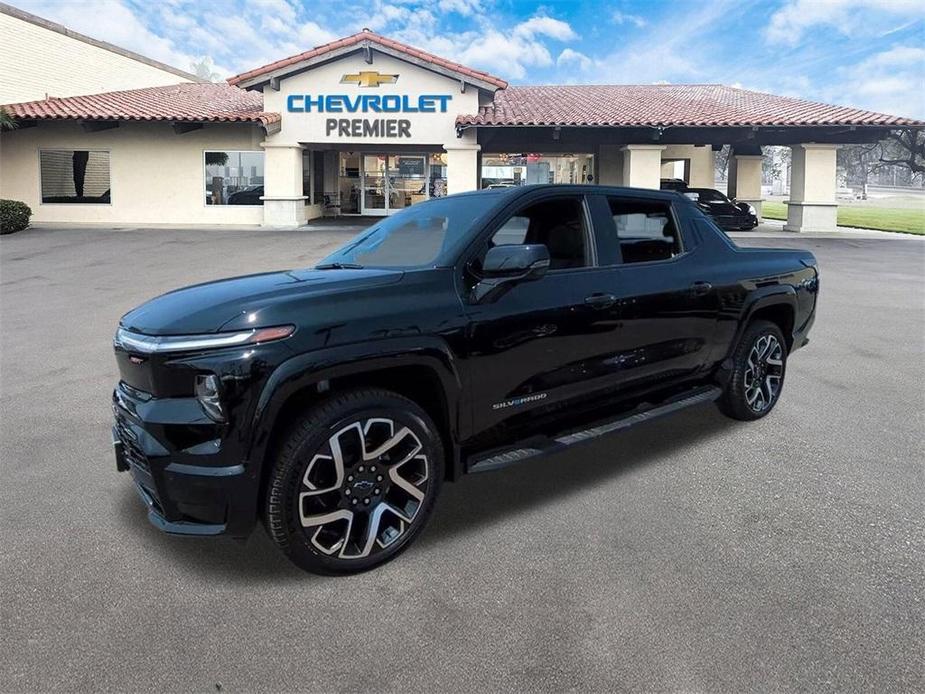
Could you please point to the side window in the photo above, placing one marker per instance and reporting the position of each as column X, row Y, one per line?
column 512, row 232
column 646, row 230
column 559, row 224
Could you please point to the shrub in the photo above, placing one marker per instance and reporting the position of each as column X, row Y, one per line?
column 14, row 216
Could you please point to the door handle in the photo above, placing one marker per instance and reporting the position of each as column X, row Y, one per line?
column 601, row 301
column 701, row 288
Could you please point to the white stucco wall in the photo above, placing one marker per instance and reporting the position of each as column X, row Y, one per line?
column 701, row 161
column 642, row 166
column 156, row 175
column 429, row 130
column 38, row 62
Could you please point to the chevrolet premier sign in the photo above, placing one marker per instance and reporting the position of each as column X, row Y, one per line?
column 368, row 103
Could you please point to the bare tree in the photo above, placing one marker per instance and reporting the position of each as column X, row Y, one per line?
column 721, row 162
column 904, row 148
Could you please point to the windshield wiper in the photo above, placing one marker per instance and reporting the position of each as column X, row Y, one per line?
column 339, row 266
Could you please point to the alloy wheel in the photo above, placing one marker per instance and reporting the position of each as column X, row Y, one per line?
column 763, row 372
column 363, row 488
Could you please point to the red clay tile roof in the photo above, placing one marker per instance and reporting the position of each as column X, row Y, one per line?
column 703, row 105
column 372, row 37
column 194, row 103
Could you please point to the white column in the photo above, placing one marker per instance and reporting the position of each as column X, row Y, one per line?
column 642, row 166
column 283, row 201
column 610, row 165
column 745, row 179
column 812, row 205
column 703, row 173
column 462, row 164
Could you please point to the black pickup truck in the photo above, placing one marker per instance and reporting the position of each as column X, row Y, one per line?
column 461, row 335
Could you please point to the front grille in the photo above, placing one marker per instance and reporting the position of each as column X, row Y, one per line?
column 133, row 453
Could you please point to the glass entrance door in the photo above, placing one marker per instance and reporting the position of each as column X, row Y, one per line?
column 375, row 185
column 407, row 179
column 392, row 182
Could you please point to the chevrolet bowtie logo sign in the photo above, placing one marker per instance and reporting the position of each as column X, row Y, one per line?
column 369, row 78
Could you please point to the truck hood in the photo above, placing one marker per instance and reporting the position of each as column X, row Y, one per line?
column 244, row 302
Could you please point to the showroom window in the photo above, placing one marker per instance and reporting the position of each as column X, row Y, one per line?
column 75, row 176
column 234, row 178
column 509, row 170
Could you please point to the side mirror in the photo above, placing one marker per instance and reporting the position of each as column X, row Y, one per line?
column 505, row 266
column 527, row 261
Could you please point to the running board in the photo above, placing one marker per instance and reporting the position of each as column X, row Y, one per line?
column 536, row 446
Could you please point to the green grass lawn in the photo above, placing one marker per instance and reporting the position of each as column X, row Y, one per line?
column 906, row 220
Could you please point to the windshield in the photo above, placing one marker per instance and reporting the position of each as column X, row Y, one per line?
column 426, row 234
column 706, row 195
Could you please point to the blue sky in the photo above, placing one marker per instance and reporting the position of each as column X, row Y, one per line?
column 865, row 53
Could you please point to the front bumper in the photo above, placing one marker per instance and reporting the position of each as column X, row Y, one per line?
column 729, row 222
column 186, row 471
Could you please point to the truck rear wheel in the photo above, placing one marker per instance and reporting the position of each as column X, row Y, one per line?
column 758, row 369
column 354, row 482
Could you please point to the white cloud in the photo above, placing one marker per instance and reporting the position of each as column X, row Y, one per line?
column 849, row 17
column 311, row 34
column 545, row 26
column 618, row 17
column 569, row 58
column 507, row 51
column 115, row 22
column 466, row 8
column 677, row 49
column 238, row 35
column 892, row 81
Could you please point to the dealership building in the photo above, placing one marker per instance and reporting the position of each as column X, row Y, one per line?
column 368, row 126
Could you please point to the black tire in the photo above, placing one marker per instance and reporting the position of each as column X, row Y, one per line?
column 739, row 399
column 348, row 427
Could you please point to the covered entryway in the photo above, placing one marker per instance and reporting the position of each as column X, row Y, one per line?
column 639, row 134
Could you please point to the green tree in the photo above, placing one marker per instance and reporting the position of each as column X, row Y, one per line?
column 7, row 122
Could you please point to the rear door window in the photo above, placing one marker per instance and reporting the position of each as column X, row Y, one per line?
column 646, row 230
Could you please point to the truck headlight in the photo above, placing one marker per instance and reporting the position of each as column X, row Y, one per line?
column 208, row 393
column 752, row 211
column 156, row 344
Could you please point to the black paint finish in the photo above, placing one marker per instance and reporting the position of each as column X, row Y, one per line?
column 557, row 349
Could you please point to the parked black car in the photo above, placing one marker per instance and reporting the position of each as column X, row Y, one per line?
column 461, row 335
column 728, row 214
column 248, row 196
column 673, row 184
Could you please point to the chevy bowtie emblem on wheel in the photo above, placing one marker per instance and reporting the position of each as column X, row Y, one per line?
column 369, row 78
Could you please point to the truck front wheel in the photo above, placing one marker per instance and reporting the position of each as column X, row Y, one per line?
column 758, row 367
column 354, row 482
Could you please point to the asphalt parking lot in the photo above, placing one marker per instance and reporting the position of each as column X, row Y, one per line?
column 693, row 553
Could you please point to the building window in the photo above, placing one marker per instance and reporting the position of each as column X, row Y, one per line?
column 75, row 176
column 509, row 170
column 234, row 178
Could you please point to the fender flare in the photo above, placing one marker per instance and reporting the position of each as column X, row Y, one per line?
column 308, row 369
column 776, row 295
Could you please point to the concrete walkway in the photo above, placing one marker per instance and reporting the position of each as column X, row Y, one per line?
column 773, row 228
column 769, row 228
